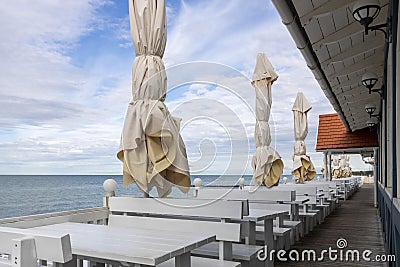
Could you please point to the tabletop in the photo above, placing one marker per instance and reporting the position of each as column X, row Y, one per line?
column 262, row 214
column 127, row 244
column 299, row 200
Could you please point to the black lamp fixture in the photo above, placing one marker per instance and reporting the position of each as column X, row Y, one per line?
column 369, row 80
column 370, row 124
column 370, row 109
column 365, row 11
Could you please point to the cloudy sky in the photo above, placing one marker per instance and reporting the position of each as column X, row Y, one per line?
column 66, row 83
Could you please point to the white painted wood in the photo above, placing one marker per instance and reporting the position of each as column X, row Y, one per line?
column 372, row 43
column 72, row 263
column 24, row 252
column 353, row 28
column 270, row 206
column 301, row 189
column 328, row 7
column 360, row 65
column 203, row 262
column 225, row 250
column 268, row 240
column 303, row 6
column 184, row 207
column 51, row 247
column 249, row 193
column 222, row 230
column 183, row 260
column 127, row 244
column 84, row 215
column 242, row 252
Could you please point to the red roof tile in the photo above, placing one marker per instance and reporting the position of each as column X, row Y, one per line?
column 333, row 135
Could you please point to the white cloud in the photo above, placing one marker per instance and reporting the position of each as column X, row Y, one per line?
column 66, row 117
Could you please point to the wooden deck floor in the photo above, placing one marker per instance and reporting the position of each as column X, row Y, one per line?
column 356, row 220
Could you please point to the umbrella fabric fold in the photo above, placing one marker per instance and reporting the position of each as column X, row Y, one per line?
column 303, row 168
column 151, row 148
column 266, row 163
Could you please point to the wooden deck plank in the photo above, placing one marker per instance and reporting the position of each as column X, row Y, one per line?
column 356, row 220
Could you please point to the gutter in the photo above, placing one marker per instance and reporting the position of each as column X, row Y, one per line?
column 291, row 20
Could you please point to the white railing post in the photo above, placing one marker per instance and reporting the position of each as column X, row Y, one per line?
column 109, row 185
column 197, row 184
column 241, row 183
column 24, row 252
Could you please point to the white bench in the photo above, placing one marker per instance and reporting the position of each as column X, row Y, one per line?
column 281, row 234
column 330, row 194
column 314, row 208
column 26, row 247
column 188, row 215
column 295, row 225
column 308, row 217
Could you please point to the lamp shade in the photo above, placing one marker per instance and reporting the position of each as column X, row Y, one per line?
column 370, row 108
column 110, row 185
column 370, row 123
column 365, row 11
column 369, row 80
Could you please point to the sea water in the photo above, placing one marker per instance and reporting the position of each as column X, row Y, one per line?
column 22, row 195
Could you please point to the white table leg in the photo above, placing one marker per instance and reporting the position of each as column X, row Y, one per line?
column 250, row 238
column 280, row 221
column 225, row 250
column 269, row 240
column 183, row 260
column 71, row 263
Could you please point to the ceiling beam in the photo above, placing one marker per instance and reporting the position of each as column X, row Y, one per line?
column 323, row 9
column 342, row 91
column 349, row 30
column 369, row 44
column 336, row 36
column 353, row 82
column 373, row 60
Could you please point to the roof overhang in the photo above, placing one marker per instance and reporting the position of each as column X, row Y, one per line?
column 338, row 52
column 359, row 150
column 333, row 137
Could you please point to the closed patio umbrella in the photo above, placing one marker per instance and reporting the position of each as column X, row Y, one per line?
column 266, row 163
column 303, row 169
column 151, row 148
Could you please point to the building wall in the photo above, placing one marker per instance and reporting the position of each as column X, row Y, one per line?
column 398, row 102
column 389, row 119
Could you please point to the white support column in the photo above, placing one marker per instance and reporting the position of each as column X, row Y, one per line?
column 329, row 173
column 325, row 176
column 382, row 157
column 375, row 177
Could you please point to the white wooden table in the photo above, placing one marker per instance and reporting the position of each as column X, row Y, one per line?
column 138, row 247
column 266, row 216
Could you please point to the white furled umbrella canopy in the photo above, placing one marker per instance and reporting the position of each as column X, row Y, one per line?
column 266, row 163
column 303, row 169
column 151, row 148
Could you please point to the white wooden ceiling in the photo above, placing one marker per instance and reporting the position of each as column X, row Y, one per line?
column 344, row 52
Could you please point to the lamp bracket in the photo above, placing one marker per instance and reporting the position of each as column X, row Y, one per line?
column 380, row 27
